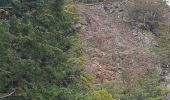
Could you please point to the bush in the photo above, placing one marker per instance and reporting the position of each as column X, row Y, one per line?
column 146, row 87
column 100, row 95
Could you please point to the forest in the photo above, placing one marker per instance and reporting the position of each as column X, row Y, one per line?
column 84, row 50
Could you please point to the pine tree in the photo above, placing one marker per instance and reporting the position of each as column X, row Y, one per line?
column 35, row 44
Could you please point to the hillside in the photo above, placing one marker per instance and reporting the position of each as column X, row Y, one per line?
column 113, row 47
column 84, row 50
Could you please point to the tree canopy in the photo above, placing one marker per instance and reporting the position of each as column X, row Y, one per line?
column 35, row 47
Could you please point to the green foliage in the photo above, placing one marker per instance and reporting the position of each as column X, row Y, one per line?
column 41, row 56
column 100, row 95
column 164, row 47
column 4, row 2
column 146, row 87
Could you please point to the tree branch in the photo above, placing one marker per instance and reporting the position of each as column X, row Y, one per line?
column 7, row 95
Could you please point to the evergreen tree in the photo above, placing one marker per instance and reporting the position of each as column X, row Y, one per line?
column 35, row 45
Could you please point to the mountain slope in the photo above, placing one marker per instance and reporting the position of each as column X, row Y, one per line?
column 114, row 48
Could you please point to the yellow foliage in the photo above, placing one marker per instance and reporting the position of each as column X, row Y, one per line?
column 100, row 95
column 70, row 7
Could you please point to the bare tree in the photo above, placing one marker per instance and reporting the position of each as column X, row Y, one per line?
column 149, row 13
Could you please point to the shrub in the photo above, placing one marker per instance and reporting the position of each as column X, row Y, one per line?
column 100, row 95
column 146, row 87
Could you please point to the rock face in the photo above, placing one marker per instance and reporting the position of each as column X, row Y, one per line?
column 114, row 48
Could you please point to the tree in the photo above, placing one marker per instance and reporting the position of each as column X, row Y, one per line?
column 36, row 59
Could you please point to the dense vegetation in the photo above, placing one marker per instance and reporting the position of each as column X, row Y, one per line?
column 41, row 57
column 40, row 52
column 145, row 87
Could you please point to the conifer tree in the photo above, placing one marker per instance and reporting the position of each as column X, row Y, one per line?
column 35, row 44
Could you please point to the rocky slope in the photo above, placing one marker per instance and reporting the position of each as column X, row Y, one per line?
column 114, row 49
